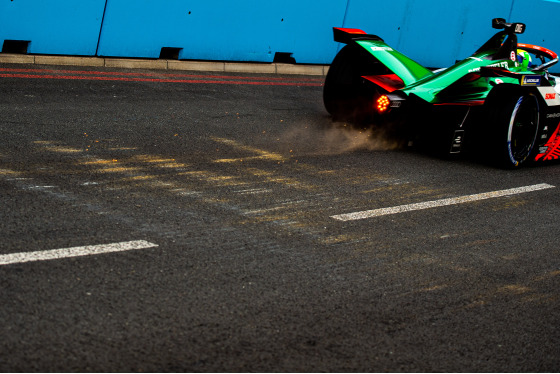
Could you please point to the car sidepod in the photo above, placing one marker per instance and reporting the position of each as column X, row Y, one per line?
column 548, row 139
column 518, row 125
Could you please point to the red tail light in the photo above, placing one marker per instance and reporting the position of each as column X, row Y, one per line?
column 382, row 104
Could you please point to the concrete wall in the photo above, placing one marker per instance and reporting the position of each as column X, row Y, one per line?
column 255, row 30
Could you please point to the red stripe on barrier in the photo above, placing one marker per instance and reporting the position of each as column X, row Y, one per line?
column 191, row 81
column 145, row 77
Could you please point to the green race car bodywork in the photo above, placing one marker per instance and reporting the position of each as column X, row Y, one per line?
column 458, row 108
column 428, row 85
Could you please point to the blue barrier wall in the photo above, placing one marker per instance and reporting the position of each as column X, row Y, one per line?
column 53, row 26
column 541, row 19
column 255, row 30
column 435, row 33
column 244, row 30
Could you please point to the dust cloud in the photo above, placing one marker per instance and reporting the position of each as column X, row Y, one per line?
column 337, row 138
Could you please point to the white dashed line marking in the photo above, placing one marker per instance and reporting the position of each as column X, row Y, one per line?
column 439, row 203
column 55, row 254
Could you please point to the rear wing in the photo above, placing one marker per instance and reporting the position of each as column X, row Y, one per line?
column 406, row 69
column 347, row 36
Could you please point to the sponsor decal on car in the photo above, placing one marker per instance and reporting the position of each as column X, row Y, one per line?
column 503, row 64
column 549, row 95
column 457, row 141
column 531, row 80
column 551, row 150
column 381, row 48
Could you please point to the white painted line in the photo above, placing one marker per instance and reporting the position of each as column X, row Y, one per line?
column 439, row 203
column 54, row 254
column 253, row 191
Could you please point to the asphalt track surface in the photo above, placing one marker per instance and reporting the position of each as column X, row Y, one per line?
column 194, row 222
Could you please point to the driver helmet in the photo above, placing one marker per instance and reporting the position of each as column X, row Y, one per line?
column 524, row 58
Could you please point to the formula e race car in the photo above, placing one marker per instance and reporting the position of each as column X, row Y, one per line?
column 500, row 103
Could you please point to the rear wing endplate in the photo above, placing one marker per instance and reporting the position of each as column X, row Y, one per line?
column 347, row 36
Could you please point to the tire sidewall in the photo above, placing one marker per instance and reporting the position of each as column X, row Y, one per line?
column 503, row 105
column 345, row 95
column 525, row 99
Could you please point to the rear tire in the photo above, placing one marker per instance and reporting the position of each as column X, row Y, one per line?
column 345, row 96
